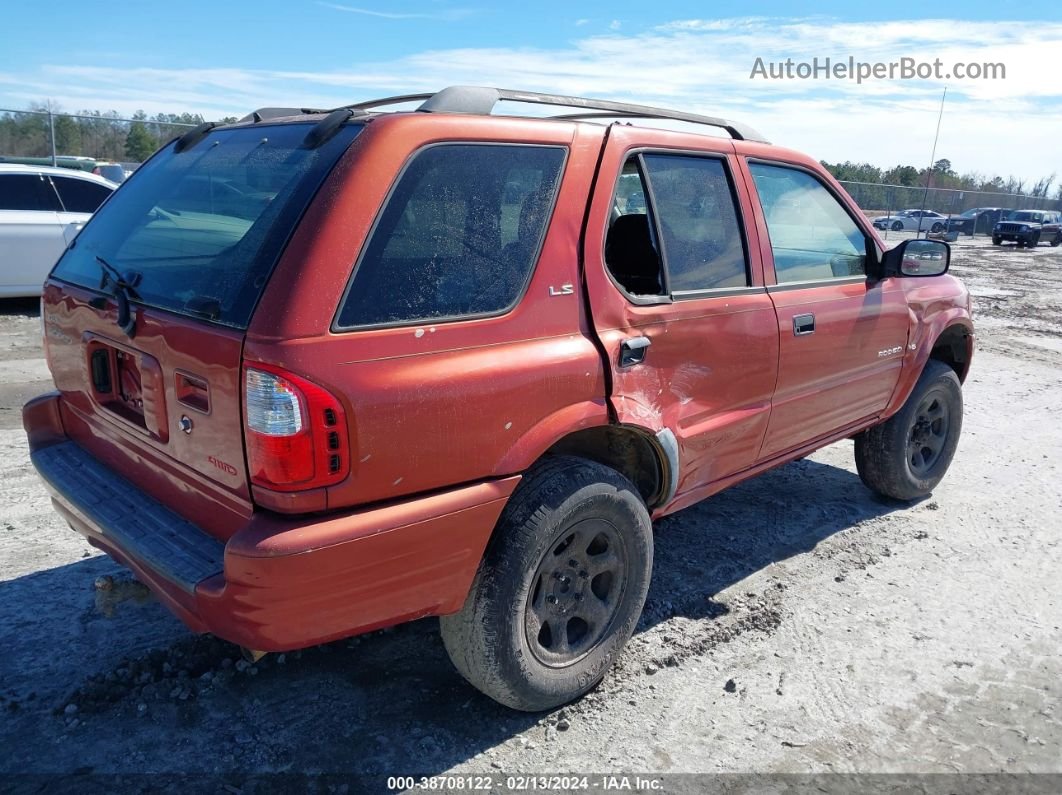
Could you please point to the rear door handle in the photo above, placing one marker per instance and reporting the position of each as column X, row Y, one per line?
column 803, row 324
column 633, row 350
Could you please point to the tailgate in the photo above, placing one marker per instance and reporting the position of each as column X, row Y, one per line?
column 163, row 408
column 146, row 311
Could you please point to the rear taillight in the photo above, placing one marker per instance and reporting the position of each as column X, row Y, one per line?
column 296, row 431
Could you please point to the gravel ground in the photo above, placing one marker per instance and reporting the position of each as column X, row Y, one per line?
column 796, row 624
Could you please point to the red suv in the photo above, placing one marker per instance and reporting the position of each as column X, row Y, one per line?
column 323, row 372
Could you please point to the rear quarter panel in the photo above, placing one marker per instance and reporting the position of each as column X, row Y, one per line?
column 432, row 405
column 30, row 243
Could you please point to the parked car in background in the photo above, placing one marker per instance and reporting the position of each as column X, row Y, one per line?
column 115, row 172
column 977, row 220
column 1029, row 228
column 912, row 221
column 41, row 209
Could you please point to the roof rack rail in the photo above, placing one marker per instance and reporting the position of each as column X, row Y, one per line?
column 480, row 101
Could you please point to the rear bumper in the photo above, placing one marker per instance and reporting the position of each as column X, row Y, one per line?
column 280, row 582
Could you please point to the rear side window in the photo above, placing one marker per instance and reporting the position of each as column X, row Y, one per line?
column 26, row 192
column 203, row 228
column 457, row 237
column 80, row 195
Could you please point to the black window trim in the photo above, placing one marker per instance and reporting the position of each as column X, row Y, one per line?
column 673, row 296
column 870, row 240
column 336, row 328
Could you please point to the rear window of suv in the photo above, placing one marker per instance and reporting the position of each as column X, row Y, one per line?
column 204, row 227
column 458, row 235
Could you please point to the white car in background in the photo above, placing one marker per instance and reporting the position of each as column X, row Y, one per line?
column 909, row 220
column 41, row 209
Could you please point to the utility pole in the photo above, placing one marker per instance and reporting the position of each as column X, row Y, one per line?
column 932, row 162
column 51, row 127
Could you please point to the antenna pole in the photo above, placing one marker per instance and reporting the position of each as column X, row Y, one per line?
column 932, row 162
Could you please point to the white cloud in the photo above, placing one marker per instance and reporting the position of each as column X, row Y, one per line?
column 452, row 14
column 1003, row 126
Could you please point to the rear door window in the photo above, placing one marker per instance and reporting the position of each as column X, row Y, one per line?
column 204, row 227
column 703, row 245
column 687, row 240
column 458, row 235
column 80, row 195
column 27, row 192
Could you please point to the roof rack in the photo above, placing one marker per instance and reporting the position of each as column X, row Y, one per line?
column 480, row 101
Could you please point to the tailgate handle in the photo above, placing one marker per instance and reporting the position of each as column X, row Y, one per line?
column 633, row 351
column 192, row 391
column 803, row 324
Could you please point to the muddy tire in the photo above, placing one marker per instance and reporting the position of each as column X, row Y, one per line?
column 907, row 455
column 560, row 588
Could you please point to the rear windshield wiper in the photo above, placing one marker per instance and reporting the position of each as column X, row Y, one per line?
column 124, row 289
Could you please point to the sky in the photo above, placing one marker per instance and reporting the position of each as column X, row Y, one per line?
column 227, row 57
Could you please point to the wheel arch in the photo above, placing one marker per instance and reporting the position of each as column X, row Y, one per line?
column 954, row 347
column 648, row 460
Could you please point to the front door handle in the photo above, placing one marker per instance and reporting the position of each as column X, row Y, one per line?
column 803, row 324
column 633, row 350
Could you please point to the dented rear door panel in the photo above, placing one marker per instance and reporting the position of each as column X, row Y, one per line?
column 709, row 371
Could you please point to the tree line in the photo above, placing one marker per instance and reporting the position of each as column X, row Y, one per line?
column 107, row 136
column 942, row 175
column 90, row 133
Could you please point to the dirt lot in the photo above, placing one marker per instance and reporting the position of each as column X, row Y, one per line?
column 795, row 624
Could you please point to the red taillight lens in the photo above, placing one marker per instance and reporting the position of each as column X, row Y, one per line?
column 296, row 431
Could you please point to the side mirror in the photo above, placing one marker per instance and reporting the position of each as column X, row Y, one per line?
column 917, row 258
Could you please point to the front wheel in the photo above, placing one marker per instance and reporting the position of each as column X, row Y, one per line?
column 897, row 226
column 907, row 455
column 997, row 241
column 937, row 227
column 560, row 589
column 1033, row 241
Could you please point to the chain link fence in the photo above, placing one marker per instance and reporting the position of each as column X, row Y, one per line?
column 109, row 137
column 875, row 199
column 100, row 136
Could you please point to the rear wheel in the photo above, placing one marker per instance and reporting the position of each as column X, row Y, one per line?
column 560, row 589
column 1057, row 240
column 907, row 455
